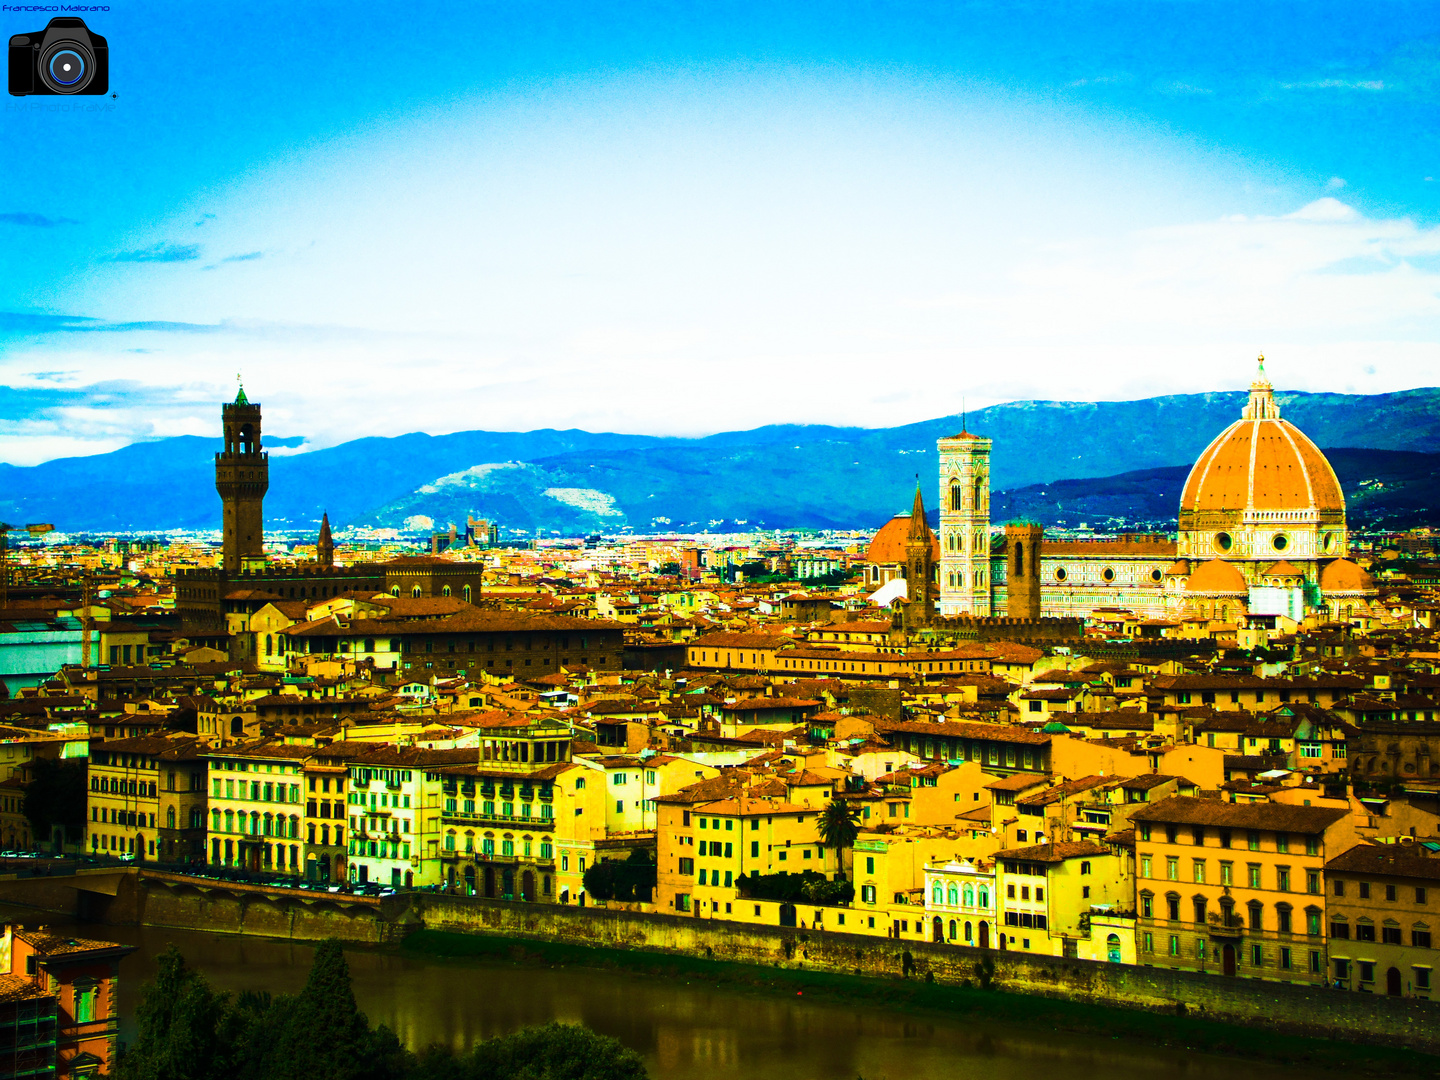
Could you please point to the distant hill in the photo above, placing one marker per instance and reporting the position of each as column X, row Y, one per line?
column 778, row 476
column 1393, row 489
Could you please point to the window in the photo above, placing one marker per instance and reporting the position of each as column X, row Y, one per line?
column 1172, row 904
column 1339, row 928
column 1364, row 931
column 1254, row 874
column 1199, row 871
column 1282, row 878
column 1364, row 890
column 1420, row 938
column 1254, row 840
column 85, row 996
column 1390, row 892
column 1172, row 868
column 1282, row 919
column 1390, row 934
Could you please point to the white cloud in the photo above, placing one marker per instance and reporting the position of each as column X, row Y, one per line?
column 711, row 259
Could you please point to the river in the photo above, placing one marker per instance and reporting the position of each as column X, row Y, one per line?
column 685, row 1031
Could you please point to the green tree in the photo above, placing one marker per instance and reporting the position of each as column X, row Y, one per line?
column 325, row 1036
column 838, row 827
column 554, row 1052
column 56, row 796
column 182, row 1026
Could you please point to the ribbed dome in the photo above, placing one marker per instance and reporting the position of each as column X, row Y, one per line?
column 1216, row 577
column 1343, row 576
column 1262, row 462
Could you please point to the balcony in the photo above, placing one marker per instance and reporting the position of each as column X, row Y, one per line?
column 1225, row 925
column 459, row 817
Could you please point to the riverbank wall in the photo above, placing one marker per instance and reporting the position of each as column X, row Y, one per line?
column 167, row 900
column 1295, row 1010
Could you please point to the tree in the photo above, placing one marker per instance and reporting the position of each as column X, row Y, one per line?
column 180, row 1020
column 839, row 826
column 56, row 796
column 325, row 1035
column 554, row 1052
column 633, row 879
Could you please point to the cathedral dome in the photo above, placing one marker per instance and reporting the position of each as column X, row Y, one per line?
column 1262, row 464
column 1216, row 576
column 888, row 546
column 1343, row 576
column 1262, row 490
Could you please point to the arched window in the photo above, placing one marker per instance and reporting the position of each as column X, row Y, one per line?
column 269, row 645
column 952, row 897
column 984, row 897
column 969, row 896
column 394, row 590
column 952, row 929
column 415, row 592
column 937, row 894
column 969, row 931
column 957, row 496
column 979, row 502
column 445, row 590
column 170, row 818
column 215, row 821
column 465, row 594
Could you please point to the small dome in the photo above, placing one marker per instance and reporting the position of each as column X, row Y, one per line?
column 888, row 547
column 1343, row 576
column 1054, row 727
column 1180, row 568
column 1216, row 576
column 1283, row 568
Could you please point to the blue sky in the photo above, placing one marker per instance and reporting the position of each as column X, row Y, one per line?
column 688, row 218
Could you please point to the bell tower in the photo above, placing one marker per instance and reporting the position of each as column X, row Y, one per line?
column 920, row 560
column 242, row 476
column 964, row 525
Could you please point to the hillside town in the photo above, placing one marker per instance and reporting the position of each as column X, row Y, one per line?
column 780, row 730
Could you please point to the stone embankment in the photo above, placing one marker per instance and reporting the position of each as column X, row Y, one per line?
column 152, row 898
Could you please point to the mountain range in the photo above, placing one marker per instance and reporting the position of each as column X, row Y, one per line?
column 1058, row 462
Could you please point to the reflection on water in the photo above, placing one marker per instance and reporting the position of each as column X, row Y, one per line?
column 686, row 1031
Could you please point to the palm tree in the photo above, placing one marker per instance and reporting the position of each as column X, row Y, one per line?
column 839, row 826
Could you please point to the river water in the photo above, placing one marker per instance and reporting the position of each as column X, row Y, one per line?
column 685, row 1031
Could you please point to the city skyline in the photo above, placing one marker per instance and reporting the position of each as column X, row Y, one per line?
column 601, row 218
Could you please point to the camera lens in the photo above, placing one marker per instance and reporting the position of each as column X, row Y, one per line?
column 66, row 68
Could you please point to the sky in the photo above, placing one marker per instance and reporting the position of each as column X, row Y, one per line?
column 688, row 218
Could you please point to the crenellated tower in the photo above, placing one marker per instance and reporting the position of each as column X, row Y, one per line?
column 242, row 476
column 964, row 525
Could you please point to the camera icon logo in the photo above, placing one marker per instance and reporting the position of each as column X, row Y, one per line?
column 64, row 58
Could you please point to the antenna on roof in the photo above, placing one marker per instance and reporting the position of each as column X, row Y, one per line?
column 962, row 415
